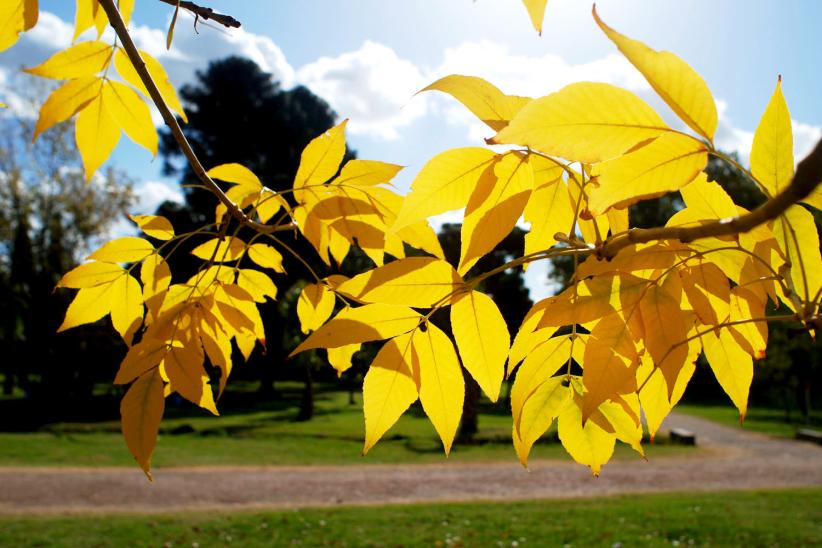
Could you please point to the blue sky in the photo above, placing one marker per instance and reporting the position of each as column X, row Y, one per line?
column 369, row 57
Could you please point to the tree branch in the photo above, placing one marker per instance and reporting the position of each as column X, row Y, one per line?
column 204, row 13
column 807, row 177
column 139, row 65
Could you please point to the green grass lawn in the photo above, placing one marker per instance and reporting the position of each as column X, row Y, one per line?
column 270, row 436
column 767, row 421
column 747, row 518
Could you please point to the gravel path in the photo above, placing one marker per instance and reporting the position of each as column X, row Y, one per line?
column 729, row 459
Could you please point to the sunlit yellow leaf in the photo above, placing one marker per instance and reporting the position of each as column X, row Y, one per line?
column 610, row 362
column 708, row 291
column 266, row 256
column 549, row 211
column 586, row 122
column 131, row 114
column 413, row 281
column 366, row 173
column 421, row 236
column 673, row 79
column 126, row 8
column 236, row 174
column 543, row 405
column 494, row 208
column 184, row 367
column 66, row 101
column 372, row 322
column 156, row 277
column 158, row 75
column 314, row 306
column 666, row 329
column 340, row 357
column 16, row 16
column 155, row 226
column 539, row 366
column 141, row 411
column 127, row 249
column 654, row 393
column 90, row 275
column 83, row 59
column 487, row 102
column 732, row 366
column 442, row 387
column 590, row 445
column 389, row 388
column 220, row 251
column 443, row 184
column 623, row 416
column 536, row 11
column 89, row 305
column 126, row 302
column 97, row 134
column 751, row 336
column 482, row 339
column 321, row 159
column 668, row 163
column 258, row 285
column 798, row 239
column 772, row 150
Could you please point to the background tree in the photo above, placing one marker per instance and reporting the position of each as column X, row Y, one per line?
column 49, row 221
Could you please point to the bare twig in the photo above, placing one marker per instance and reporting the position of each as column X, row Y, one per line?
column 807, row 178
column 205, row 13
column 139, row 65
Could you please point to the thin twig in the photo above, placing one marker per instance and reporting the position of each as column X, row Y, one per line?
column 204, row 13
column 807, row 178
column 139, row 65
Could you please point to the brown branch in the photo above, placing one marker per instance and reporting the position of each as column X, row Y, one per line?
column 205, row 13
column 807, row 177
column 139, row 65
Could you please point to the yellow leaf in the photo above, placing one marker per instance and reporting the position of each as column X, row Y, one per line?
column 673, row 79
column 156, row 277
column 543, row 405
column 388, row 389
column 623, row 416
column 97, row 134
column 83, row 59
column 15, row 17
column 487, row 102
column 666, row 329
column 184, row 367
column 220, row 251
column 89, row 305
column 442, row 387
column 666, row 164
column 494, row 208
column 340, row 358
column 131, row 114
column 415, row 281
column 536, row 11
column 126, row 302
column 268, row 204
column 123, row 250
column 421, row 236
column 539, row 366
column 372, row 322
column 84, row 16
column 314, row 306
column 366, row 173
column 798, row 239
column 732, row 366
column 66, row 101
column 548, row 211
column 155, row 226
column 141, row 357
column 236, row 174
column 586, row 122
column 90, row 275
column 444, row 183
column 321, row 159
column 141, row 411
column 772, row 150
column 752, row 336
column 654, row 393
column 158, row 75
column 482, row 339
column 266, row 256
column 590, row 445
column 258, row 285
column 708, row 291
column 609, row 365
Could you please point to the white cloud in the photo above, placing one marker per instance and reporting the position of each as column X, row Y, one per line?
column 150, row 194
column 372, row 86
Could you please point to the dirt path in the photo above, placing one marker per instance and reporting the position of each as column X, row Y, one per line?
column 731, row 459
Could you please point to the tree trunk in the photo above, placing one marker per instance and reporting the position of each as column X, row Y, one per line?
column 307, row 400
